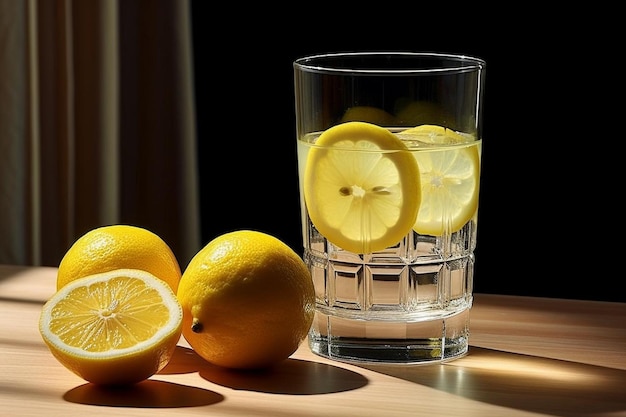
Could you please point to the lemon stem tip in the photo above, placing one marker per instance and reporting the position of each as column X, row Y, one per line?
column 196, row 326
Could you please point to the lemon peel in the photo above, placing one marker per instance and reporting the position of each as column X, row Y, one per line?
column 119, row 246
column 248, row 300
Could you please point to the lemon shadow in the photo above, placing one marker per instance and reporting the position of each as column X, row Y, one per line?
column 522, row 382
column 146, row 394
column 183, row 361
column 291, row 376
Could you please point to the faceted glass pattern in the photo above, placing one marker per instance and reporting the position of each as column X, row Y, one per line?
column 415, row 294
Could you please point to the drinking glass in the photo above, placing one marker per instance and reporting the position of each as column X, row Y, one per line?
column 389, row 154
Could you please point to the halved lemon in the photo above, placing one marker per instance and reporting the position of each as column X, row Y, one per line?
column 361, row 187
column 113, row 328
column 449, row 179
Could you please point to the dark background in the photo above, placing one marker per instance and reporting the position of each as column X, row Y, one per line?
column 546, row 223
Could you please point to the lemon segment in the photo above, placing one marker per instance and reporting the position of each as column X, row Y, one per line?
column 449, row 178
column 114, row 328
column 361, row 187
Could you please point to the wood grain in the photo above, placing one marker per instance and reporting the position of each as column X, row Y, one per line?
column 528, row 357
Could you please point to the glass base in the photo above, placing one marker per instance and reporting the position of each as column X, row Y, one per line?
column 372, row 341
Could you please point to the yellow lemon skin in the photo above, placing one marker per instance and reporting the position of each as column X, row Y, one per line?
column 247, row 299
column 115, row 328
column 119, row 246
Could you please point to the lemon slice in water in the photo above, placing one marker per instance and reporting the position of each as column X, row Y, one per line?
column 449, row 179
column 369, row 114
column 361, row 187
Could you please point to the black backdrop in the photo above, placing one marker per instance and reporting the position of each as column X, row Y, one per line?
column 540, row 231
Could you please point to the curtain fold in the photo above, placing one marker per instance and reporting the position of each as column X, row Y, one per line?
column 97, row 124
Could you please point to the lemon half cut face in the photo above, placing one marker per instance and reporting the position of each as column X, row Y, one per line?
column 361, row 187
column 114, row 328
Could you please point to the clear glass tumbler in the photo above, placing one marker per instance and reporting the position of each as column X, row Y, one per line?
column 389, row 154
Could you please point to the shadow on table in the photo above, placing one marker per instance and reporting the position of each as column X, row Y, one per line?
column 292, row 376
column 146, row 394
column 152, row 393
column 522, row 382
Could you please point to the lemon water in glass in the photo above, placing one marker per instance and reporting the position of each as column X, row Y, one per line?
column 389, row 155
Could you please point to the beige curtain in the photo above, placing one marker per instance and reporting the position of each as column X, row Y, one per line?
column 96, row 124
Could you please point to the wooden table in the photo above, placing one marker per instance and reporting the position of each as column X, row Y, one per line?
column 528, row 357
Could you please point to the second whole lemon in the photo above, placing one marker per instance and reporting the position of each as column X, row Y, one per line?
column 247, row 299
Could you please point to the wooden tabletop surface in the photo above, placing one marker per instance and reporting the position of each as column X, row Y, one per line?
column 528, row 357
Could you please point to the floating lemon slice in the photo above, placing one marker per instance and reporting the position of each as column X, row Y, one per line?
column 361, row 187
column 449, row 179
column 413, row 113
column 369, row 114
column 114, row 328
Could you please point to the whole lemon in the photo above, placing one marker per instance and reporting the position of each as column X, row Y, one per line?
column 112, row 247
column 247, row 299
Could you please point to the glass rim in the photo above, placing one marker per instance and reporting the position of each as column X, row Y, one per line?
column 315, row 63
